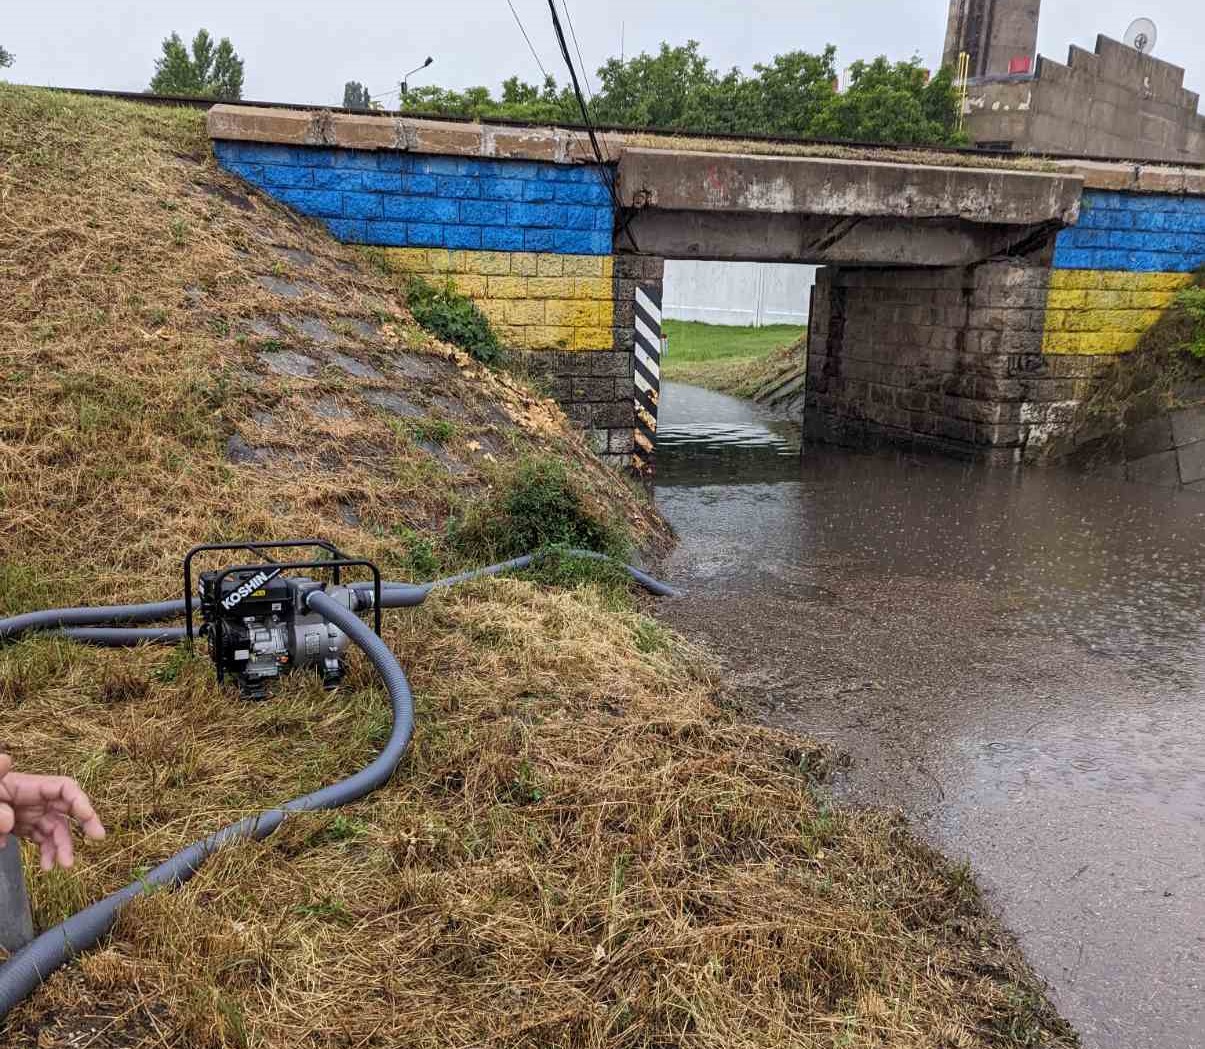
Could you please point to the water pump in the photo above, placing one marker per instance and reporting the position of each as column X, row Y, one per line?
column 257, row 620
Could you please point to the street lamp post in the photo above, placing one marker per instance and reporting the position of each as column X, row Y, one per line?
column 405, row 86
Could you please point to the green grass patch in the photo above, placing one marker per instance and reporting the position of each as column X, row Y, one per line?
column 729, row 360
column 692, row 341
column 1192, row 302
column 536, row 505
column 717, row 357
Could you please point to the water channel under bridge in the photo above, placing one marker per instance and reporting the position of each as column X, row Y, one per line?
column 1016, row 659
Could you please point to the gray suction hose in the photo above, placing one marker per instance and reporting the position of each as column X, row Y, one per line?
column 124, row 637
column 30, row 966
column 53, row 618
column 406, row 595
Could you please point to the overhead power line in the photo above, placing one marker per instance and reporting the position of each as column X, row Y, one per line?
column 530, row 45
column 577, row 48
column 608, row 175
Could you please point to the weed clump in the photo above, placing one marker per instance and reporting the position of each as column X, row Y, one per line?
column 453, row 317
column 535, row 506
column 1191, row 301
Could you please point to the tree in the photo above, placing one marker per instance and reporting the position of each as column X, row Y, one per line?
column 355, row 96
column 794, row 94
column 661, row 90
column 892, row 103
column 6, row 58
column 208, row 72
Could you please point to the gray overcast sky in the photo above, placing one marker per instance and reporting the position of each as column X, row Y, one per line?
column 304, row 50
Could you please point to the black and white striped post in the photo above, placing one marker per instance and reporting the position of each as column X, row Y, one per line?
column 647, row 375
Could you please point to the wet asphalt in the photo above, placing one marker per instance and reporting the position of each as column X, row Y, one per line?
column 1015, row 659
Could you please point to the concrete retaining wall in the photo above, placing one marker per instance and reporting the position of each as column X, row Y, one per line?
column 529, row 241
column 1168, row 450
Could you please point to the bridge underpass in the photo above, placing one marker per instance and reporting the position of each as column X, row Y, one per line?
column 917, row 258
column 968, row 302
column 818, row 210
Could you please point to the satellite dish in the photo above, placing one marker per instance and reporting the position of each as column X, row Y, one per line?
column 1141, row 35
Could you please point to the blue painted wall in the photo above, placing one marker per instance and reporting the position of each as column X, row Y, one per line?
column 1134, row 232
column 407, row 200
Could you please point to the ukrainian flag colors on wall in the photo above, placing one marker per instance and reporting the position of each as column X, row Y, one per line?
column 529, row 241
column 1117, row 270
column 534, row 300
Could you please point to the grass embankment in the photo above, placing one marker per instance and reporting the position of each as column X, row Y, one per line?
column 730, row 360
column 580, row 848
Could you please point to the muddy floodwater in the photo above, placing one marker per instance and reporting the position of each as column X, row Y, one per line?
column 1016, row 659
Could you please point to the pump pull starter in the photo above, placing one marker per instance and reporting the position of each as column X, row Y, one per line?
column 257, row 619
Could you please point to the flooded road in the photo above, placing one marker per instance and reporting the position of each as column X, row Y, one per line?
column 1015, row 659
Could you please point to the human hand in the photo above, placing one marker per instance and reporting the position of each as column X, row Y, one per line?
column 41, row 809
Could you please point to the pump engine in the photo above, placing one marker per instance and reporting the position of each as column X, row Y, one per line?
column 257, row 621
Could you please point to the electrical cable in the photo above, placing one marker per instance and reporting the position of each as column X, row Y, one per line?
column 604, row 162
column 530, row 45
column 577, row 48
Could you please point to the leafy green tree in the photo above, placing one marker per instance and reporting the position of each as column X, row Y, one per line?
column 209, row 71
column 662, row 90
column 471, row 102
column 793, row 90
column 794, row 94
column 888, row 102
column 356, row 96
column 520, row 101
column 6, row 58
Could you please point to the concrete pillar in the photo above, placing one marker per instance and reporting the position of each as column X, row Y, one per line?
column 993, row 33
column 16, row 918
column 948, row 358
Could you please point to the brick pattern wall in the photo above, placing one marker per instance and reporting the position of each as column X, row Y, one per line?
column 1120, row 268
column 950, row 358
column 534, row 300
column 597, row 389
column 405, row 200
column 1135, row 233
column 529, row 241
column 1105, row 312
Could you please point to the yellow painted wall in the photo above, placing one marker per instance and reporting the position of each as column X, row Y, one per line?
column 1105, row 311
column 535, row 300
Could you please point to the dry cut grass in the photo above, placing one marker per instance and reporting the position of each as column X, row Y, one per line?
column 580, row 849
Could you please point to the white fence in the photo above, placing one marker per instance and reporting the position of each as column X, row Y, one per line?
column 738, row 294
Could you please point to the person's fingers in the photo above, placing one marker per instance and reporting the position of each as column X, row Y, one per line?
column 82, row 811
column 43, row 827
column 46, row 850
column 60, row 791
column 8, row 818
column 6, row 765
column 64, row 847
